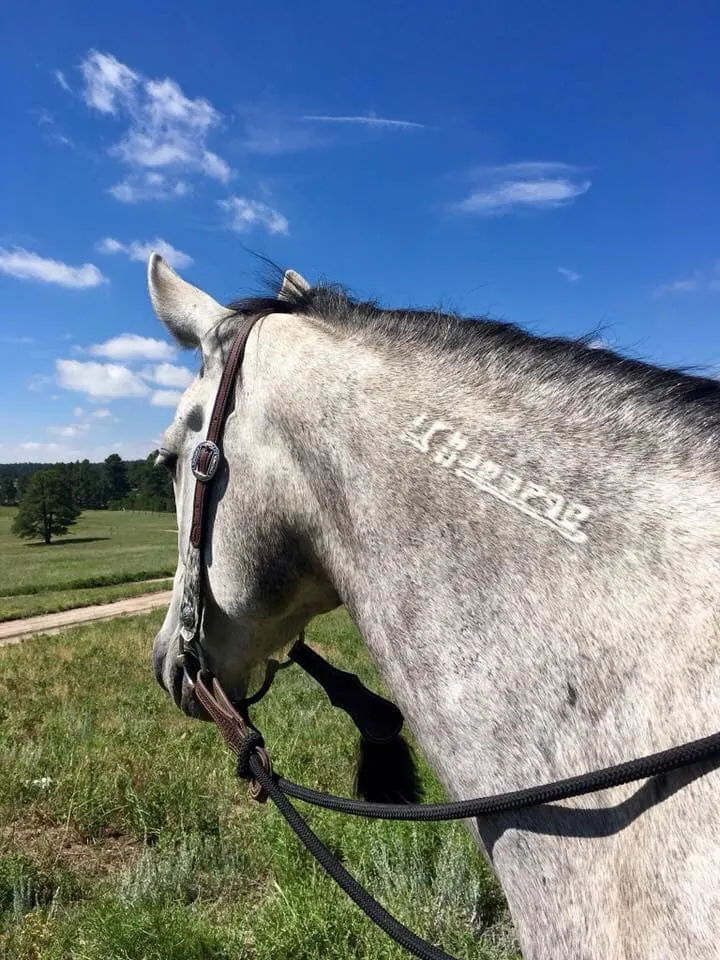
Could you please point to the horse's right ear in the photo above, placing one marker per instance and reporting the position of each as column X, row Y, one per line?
column 294, row 285
column 187, row 312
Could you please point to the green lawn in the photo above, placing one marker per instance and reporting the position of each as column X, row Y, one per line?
column 104, row 548
column 33, row 604
column 124, row 835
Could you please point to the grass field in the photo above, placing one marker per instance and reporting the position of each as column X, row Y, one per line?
column 124, row 835
column 101, row 559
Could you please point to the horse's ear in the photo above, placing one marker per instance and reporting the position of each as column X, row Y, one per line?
column 187, row 312
column 293, row 286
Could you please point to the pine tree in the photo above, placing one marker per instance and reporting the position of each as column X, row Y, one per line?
column 116, row 478
column 8, row 491
column 46, row 507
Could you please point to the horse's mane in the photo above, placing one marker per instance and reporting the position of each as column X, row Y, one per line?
column 474, row 338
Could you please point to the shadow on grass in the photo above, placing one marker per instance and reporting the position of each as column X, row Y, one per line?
column 67, row 541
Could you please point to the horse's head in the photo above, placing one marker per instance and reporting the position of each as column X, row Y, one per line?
column 260, row 578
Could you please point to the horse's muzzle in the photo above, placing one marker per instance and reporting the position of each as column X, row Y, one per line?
column 177, row 681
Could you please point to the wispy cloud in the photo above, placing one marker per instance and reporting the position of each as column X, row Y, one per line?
column 165, row 398
column 71, row 430
column 570, row 275
column 53, row 452
column 165, row 130
column 273, row 133
column 85, row 421
column 244, row 214
column 137, row 250
column 38, row 382
column 102, row 380
column 367, row 120
column 131, row 346
column 169, row 375
column 512, row 187
column 706, row 280
column 26, row 265
column 62, row 80
column 51, row 130
column 34, row 451
column 18, row 341
column 149, row 186
column 688, row 285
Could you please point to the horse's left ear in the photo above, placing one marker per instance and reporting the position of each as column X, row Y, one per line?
column 187, row 312
column 293, row 286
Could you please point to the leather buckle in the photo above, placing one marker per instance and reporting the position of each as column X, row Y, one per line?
column 209, row 472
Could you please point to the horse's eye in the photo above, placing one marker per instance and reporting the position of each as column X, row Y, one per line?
column 167, row 459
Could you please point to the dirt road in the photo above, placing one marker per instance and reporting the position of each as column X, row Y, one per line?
column 15, row 631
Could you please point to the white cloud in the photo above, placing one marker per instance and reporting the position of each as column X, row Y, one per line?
column 38, row 382
column 141, row 251
column 516, row 186
column 101, row 414
column 26, row 265
column 108, row 245
column 131, row 346
column 165, row 129
column 100, row 379
column 570, row 275
column 51, row 130
column 169, row 375
column 368, row 120
column 244, row 214
column 19, row 341
column 689, row 285
column 165, row 398
column 706, row 280
column 34, row 452
column 71, row 430
column 78, row 412
column 149, row 186
column 108, row 83
column 271, row 133
column 61, row 79
column 38, row 452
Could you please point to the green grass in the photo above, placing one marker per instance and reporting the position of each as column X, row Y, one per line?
column 105, row 548
column 124, row 834
column 32, row 604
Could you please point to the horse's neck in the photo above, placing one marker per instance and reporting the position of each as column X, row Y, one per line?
column 525, row 610
column 525, row 638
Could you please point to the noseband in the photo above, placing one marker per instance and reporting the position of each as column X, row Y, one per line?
column 377, row 719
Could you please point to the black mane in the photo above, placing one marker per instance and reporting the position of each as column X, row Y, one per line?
column 475, row 337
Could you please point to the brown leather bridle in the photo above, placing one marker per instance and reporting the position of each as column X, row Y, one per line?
column 206, row 457
column 204, row 464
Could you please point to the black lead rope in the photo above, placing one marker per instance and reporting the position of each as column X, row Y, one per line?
column 346, row 691
column 310, row 840
column 278, row 789
column 652, row 765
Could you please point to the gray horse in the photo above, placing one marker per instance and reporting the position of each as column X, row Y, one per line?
column 527, row 534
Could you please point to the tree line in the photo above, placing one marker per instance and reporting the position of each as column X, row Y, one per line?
column 114, row 484
column 51, row 498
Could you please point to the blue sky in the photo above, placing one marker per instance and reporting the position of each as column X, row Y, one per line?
column 552, row 164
